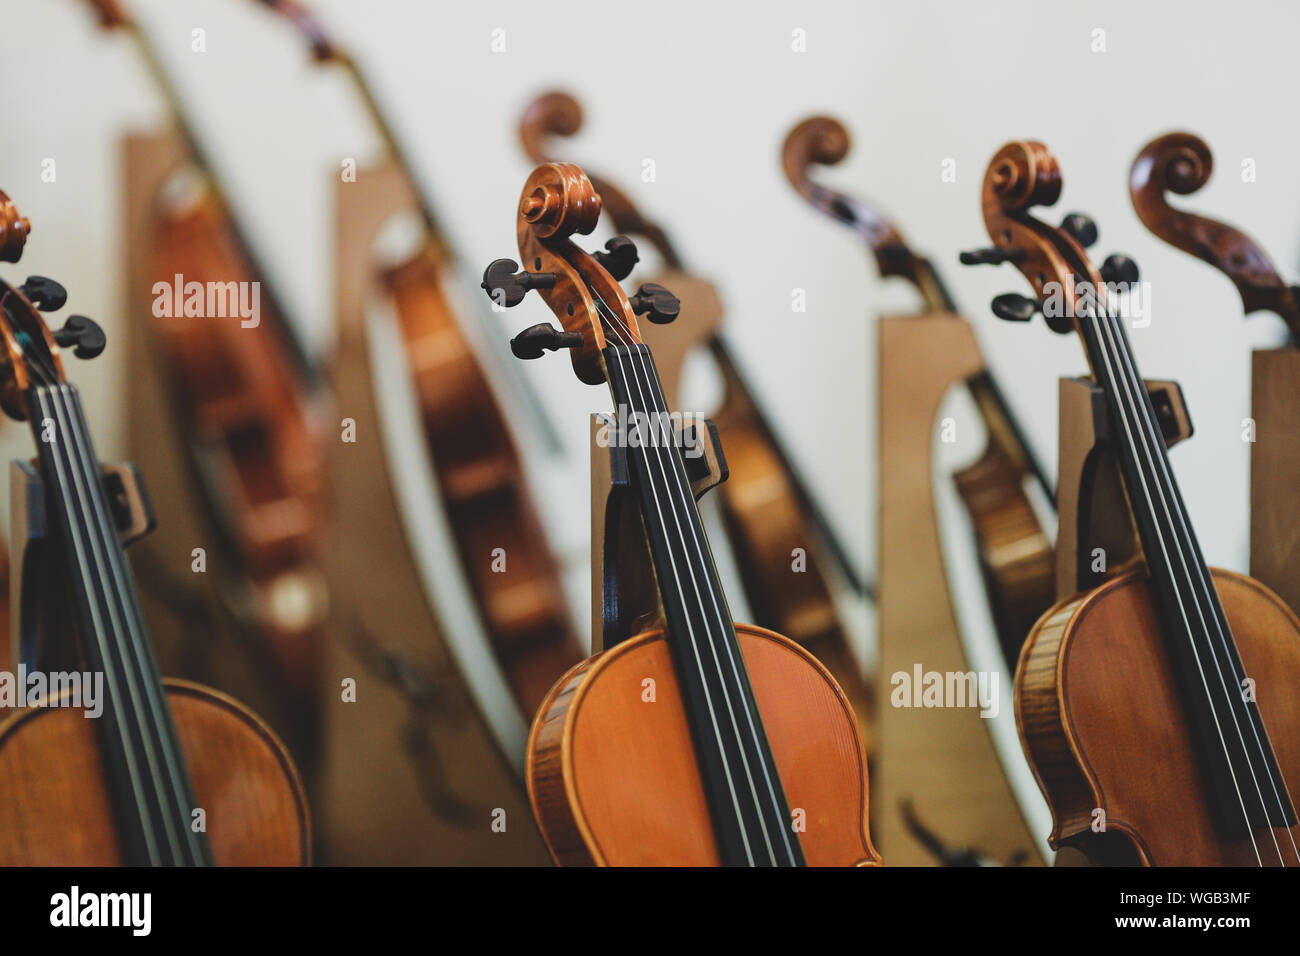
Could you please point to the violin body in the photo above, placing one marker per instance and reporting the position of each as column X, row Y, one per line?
column 483, row 487
column 242, row 396
column 1015, row 555
column 59, row 812
column 612, row 776
column 249, row 438
column 1098, row 713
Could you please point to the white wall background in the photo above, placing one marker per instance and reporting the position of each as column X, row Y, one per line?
column 709, row 91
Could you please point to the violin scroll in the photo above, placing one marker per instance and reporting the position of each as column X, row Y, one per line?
column 824, row 141
column 555, row 113
column 14, row 230
column 1178, row 162
column 1181, row 163
column 110, row 13
column 817, row 141
column 559, row 202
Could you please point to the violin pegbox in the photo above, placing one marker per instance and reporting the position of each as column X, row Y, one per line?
column 1020, row 176
column 557, row 201
column 29, row 349
column 1053, row 258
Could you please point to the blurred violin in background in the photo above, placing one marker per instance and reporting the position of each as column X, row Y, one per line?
column 1181, row 163
column 170, row 772
column 245, row 400
column 480, row 474
column 1015, row 554
column 745, row 751
column 1161, row 702
column 768, row 511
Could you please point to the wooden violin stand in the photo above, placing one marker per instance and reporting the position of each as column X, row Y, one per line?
column 194, row 633
column 942, row 761
column 380, row 799
column 1275, row 472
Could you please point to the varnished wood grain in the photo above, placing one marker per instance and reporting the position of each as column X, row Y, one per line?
column 55, row 806
column 613, row 778
column 1015, row 556
column 1103, row 727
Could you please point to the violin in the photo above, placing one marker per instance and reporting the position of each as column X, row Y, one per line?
column 1015, row 555
column 476, row 462
column 1157, row 710
column 1181, row 163
column 245, row 400
column 171, row 772
column 702, row 742
column 768, row 511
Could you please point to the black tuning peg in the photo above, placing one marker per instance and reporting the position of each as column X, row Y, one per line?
column 656, row 303
column 1119, row 269
column 507, row 287
column 83, row 335
column 1080, row 228
column 992, row 256
column 618, row 258
column 1015, row 307
column 46, row 294
column 532, row 341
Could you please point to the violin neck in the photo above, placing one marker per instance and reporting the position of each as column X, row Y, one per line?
column 397, row 151
column 151, row 788
column 1245, row 784
column 748, row 807
column 284, row 329
column 933, row 291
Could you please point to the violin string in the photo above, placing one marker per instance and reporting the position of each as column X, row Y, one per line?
column 708, row 697
column 1122, row 390
column 50, row 388
column 157, row 722
column 119, row 626
column 1194, row 566
column 731, row 647
column 1222, row 629
column 645, row 383
column 117, row 697
column 1192, row 562
column 46, row 377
